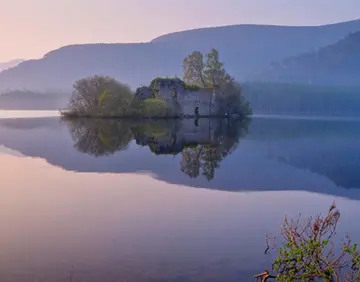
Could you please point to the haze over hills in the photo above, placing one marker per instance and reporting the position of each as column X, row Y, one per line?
column 29, row 100
column 335, row 64
column 245, row 49
column 10, row 64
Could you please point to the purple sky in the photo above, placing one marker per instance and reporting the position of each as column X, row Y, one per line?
column 30, row 28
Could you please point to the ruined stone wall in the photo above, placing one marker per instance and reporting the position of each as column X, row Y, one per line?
column 187, row 101
column 201, row 100
column 182, row 100
column 189, row 132
column 143, row 93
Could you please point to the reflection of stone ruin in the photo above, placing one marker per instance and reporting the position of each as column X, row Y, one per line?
column 182, row 99
column 189, row 133
column 203, row 144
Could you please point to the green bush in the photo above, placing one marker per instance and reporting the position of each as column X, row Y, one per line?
column 153, row 107
column 192, row 87
column 98, row 96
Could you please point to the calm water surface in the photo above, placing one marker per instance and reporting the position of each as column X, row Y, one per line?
column 170, row 201
column 27, row 114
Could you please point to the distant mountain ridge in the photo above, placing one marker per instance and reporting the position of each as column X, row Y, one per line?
column 10, row 64
column 337, row 64
column 187, row 34
column 245, row 49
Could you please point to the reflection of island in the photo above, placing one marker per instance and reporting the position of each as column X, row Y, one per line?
column 98, row 137
column 202, row 143
column 320, row 156
column 206, row 158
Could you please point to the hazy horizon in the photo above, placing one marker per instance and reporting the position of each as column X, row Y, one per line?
column 51, row 24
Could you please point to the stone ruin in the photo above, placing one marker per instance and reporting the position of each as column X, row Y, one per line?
column 184, row 101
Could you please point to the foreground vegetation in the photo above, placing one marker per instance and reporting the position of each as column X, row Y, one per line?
column 308, row 252
column 102, row 96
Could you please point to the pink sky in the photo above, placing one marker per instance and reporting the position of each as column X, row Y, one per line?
column 31, row 28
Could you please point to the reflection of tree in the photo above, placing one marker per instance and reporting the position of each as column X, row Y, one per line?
column 201, row 151
column 98, row 137
column 205, row 159
column 190, row 161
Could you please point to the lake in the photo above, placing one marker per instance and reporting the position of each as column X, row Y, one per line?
column 92, row 200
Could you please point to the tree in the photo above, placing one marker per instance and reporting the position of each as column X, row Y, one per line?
column 194, row 69
column 308, row 252
column 214, row 71
column 232, row 101
column 205, row 74
column 100, row 95
column 211, row 73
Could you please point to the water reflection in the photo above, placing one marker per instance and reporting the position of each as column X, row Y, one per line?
column 203, row 144
column 127, row 227
column 115, row 223
column 321, row 156
column 205, row 158
column 99, row 137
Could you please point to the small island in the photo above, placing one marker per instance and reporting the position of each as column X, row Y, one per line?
column 206, row 90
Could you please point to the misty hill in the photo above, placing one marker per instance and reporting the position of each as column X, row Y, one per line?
column 29, row 100
column 10, row 64
column 303, row 99
column 245, row 49
column 337, row 64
